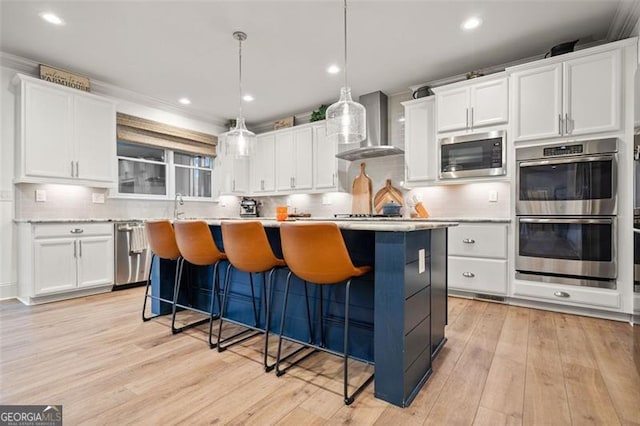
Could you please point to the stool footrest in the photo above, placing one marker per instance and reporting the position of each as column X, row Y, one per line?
column 177, row 330
column 257, row 332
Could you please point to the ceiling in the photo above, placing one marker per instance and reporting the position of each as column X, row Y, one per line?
column 173, row 49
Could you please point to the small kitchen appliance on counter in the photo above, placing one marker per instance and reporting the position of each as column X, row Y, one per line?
column 248, row 207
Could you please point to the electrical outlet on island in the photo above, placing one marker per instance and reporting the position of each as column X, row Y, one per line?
column 493, row 196
column 41, row 195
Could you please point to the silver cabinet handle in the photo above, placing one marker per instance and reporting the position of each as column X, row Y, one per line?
column 471, row 117
column 566, row 123
column 294, row 182
column 560, row 124
column 80, row 247
column 233, row 185
column 561, row 294
column 468, row 274
column 467, row 118
column 75, row 249
column 77, row 231
column 469, row 241
column 72, row 170
column 333, row 179
column 77, row 169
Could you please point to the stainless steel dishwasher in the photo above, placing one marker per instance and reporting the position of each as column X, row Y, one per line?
column 132, row 254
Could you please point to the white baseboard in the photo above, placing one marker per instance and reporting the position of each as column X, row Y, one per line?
column 8, row 291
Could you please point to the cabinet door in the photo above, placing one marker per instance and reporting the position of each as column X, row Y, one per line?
column 537, row 100
column 47, row 132
column 325, row 163
column 489, row 103
column 303, row 159
column 95, row 138
column 95, row 261
column 54, row 264
column 263, row 165
column 284, row 161
column 453, row 106
column 420, row 141
column 592, row 93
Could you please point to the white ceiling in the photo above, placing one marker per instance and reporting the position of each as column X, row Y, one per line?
column 171, row 49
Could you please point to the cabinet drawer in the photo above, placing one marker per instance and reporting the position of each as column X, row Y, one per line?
column 479, row 241
column 482, row 275
column 64, row 229
column 568, row 294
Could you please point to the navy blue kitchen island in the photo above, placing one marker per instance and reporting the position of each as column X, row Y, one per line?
column 398, row 311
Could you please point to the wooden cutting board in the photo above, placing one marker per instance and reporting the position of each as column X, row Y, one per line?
column 387, row 194
column 361, row 192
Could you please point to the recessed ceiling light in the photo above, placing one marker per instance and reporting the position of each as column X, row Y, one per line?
column 333, row 69
column 471, row 23
column 185, row 101
column 51, row 18
column 247, row 98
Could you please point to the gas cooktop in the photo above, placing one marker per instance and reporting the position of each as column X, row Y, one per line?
column 364, row 216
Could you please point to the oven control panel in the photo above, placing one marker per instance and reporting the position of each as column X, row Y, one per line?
column 563, row 150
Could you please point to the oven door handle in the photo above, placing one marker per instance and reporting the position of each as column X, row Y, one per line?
column 578, row 221
column 567, row 160
column 636, row 230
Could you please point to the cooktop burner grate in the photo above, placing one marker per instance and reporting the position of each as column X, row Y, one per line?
column 363, row 215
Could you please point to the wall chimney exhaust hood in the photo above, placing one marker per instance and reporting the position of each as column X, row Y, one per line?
column 376, row 143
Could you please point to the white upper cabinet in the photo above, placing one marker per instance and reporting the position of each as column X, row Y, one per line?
column 325, row 163
column 421, row 162
column 263, row 165
column 471, row 104
column 576, row 97
column 294, row 159
column 64, row 135
column 592, row 94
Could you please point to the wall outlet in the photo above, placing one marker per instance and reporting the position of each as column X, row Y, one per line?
column 97, row 198
column 421, row 261
column 326, row 200
column 493, row 196
column 41, row 195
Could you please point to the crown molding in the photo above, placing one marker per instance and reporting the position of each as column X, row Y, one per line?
column 30, row 67
column 624, row 21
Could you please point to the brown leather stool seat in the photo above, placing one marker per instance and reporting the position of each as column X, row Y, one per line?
column 195, row 241
column 316, row 253
column 248, row 250
column 162, row 243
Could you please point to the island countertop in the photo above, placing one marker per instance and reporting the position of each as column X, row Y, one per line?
column 356, row 225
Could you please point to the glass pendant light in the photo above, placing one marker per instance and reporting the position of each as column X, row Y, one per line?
column 346, row 119
column 241, row 141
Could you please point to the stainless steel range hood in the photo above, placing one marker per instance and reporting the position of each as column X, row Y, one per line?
column 376, row 144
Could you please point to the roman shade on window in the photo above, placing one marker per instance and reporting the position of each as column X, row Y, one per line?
column 148, row 132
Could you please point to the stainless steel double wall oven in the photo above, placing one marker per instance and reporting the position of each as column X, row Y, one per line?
column 566, row 211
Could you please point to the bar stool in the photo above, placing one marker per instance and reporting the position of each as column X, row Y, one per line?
column 248, row 250
column 162, row 242
column 316, row 253
column 197, row 247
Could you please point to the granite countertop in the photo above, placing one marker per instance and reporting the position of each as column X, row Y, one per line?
column 358, row 225
column 267, row 221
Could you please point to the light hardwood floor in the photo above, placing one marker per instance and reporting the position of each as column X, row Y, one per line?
column 502, row 365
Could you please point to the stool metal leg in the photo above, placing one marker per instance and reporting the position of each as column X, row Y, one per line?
column 349, row 399
column 215, row 293
column 176, row 293
column 223, row 309
column 146, row 292
column 268, row 296
column 279, row 359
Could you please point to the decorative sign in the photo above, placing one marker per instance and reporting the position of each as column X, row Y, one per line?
column 283, row 123
column 64, row 78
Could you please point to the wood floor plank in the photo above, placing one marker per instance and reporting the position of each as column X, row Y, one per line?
column 616, row 367
column 545, row 399
column 459, row 399
column 96, row 357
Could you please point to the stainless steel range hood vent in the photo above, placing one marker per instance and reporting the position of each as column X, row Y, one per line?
column 376, row 144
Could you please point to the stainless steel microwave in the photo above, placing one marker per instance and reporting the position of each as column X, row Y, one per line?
column 475, row 155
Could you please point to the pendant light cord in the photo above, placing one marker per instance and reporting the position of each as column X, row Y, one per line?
column 345, row 43
column 240, row 74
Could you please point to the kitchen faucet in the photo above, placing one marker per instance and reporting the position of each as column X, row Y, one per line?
column 177, row 201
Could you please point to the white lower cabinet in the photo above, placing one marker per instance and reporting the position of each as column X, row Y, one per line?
column 568, row 295
column 64, row 259
column 477, row 259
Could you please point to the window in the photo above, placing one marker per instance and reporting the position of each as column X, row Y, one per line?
column 141, row 169
column 193, row 174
